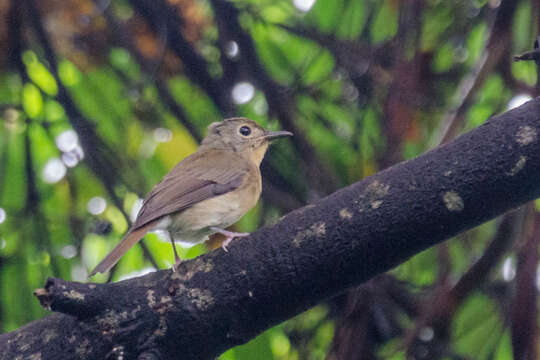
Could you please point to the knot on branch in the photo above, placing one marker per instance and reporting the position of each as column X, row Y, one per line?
column 71, row 298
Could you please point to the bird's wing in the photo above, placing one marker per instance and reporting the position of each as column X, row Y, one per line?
column 200, row 178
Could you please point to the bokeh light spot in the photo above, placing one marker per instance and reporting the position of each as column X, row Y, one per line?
column 96, row 205
column 518, row 100
column 68, row 252
column 67, row 140
column 243, row 92
column 53, row 171
column 135, row 210
column 162, row 135
column 232, row 49
column 303, row 5
column 508, row 269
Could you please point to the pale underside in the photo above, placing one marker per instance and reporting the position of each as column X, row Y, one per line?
column 193, row 225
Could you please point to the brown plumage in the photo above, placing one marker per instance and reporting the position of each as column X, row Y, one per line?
column 207, row 191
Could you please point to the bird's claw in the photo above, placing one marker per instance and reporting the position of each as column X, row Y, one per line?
column 229, row 235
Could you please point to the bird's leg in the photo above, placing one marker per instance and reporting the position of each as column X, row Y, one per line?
column 177, row 259
column 229, row 235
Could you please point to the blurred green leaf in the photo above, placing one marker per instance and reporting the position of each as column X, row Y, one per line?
column 444, row 58
column 68, row 73
column 435, row 21
column 326, row 14
column 53, row 111
column 353, row 21
column 385, row 24
column 521, row 27
column 475, row 43
column 40, row 75
column 525, row 71
column 476, row 327
column 13, row 194
column 32, row 100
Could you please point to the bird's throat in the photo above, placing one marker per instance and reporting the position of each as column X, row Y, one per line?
column 257, row 154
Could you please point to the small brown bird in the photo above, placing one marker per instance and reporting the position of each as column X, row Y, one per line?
column 206, row 192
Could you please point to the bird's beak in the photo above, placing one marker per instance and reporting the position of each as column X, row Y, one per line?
column 271, row 135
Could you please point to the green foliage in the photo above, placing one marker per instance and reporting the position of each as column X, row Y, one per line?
column 384, row 26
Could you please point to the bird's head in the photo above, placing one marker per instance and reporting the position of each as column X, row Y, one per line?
column 241, row 135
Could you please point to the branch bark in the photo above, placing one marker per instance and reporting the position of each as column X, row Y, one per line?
column 220, row 300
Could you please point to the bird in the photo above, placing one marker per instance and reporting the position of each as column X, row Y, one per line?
column 206, row 192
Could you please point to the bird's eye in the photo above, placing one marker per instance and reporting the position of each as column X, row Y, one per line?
column 245, row 130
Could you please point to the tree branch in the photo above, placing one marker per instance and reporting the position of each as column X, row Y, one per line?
column 220, row 299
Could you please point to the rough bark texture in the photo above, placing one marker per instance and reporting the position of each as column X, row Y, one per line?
column 224, row 299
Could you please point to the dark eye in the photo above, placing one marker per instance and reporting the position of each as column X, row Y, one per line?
column 245, row 130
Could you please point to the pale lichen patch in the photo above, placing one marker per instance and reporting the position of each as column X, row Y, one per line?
column 48, row 335
column 110, row 321
column 134, row 312
column 23, row 342
column 526, row 135
column 201, row 298
column 150, row 298
column 119, row 352
column 165, row 304
column 315, row 230
column 24, row 346
column 74, row 295
column 162, row 327
column 453, row 201
column 376, row 204
column 83, row 349
column 371, row 198
column 35, row 356
column 345, row 214
column 305, row 208
column 92, row 286
column 192, row 268
column 520, row 164
column 377, row 188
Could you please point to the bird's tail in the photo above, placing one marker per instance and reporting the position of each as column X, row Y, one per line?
column 130, row 239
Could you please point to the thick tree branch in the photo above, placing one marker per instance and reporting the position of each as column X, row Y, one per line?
column 220, row 300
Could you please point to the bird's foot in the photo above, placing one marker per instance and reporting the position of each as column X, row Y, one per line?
column 229, row 235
